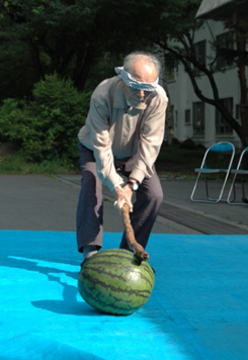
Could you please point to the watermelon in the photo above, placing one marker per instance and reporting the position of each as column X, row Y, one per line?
column 116, row 282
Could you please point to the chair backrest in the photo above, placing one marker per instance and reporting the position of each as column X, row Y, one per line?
column 241, row 157
column 220, row 147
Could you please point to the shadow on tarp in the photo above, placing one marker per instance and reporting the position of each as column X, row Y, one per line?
column 32, row 347
column 69, row 304
column 35, row 255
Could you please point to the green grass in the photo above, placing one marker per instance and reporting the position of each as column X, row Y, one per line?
column 172, row 162
column 17, row 164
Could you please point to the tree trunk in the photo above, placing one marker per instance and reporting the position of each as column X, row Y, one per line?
column 169, row 124
column 82, row 72
column 241, row 39
column 36, row 59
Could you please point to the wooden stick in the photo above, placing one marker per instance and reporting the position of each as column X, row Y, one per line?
column 138, row 249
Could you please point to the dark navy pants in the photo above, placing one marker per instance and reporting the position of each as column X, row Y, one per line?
column 90, row 206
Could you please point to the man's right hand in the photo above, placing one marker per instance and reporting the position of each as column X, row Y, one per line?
column 124, row 196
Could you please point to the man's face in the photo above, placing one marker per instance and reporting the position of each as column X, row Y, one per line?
column 136, row 97
column 143, row 72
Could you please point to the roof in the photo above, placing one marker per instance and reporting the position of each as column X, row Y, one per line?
column 222, row 9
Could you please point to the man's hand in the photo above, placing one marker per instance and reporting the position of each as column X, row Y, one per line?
column 124, row 196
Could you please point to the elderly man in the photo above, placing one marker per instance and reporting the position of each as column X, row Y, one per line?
column 121, row 140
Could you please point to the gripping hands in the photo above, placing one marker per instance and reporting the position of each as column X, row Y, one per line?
column 124, row 196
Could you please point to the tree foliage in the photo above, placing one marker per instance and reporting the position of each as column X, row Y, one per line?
column 84, row 39
column 59, row 36
column 183, row 51
column 72, row 37
column 171, row 25
column 46, row 128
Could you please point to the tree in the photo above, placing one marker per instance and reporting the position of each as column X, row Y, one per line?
column 75, row 37
column 172, row 26
column 46, row 128
column 179, row 44
column 184, row 52
column 240, row 58
column 59, row 36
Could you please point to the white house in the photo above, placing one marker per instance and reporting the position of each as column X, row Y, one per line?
column 193, row 119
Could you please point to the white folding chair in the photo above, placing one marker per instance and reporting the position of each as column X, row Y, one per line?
column 239, row 174
column 217, row 159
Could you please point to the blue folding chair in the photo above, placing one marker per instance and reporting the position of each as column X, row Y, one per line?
column 241, row 172
column 221, row 152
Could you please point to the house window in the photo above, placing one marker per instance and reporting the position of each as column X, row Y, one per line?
column 224, row 43
column 172, row 116
column 222, row 127
column 200, row 52
column 170, row 68
column 170, row 74
column 187, row 117
column 200, row 55
column 198, row 118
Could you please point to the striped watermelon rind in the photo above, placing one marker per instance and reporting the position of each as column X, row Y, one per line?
column 116, row 282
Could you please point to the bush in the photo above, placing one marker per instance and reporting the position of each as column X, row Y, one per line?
column 9, row 109
column 46, row 128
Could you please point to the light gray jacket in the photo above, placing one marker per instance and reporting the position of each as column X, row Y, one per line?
column 114, row 132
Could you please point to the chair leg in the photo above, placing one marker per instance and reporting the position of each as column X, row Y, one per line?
column 208, row 198
column 233, row 191
column 206, row 187
column 243, row 185
column 223, row 186
column 221, row 191
column 244, row 197
column 194, row 188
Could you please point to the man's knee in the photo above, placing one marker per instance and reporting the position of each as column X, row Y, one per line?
column 158, row 199
column 153, row 199
column 155, row 194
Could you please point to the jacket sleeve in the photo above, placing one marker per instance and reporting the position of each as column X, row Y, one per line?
column 150, row 140
column 97, row 131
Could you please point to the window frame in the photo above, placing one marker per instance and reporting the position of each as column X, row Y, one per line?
column 198, row 118
column 221, row 125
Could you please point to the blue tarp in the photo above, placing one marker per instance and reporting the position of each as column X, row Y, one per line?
column 197, row 311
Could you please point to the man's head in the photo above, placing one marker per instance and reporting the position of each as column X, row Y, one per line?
column 140, row 75
column 144, row 67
